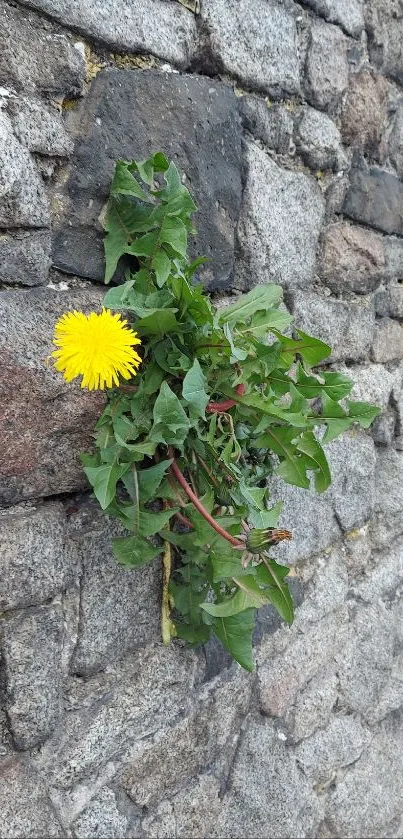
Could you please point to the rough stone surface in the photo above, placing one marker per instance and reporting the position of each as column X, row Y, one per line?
column 313, row 705
column 310, row 518
column 31, row 646
column 23, row 201
column 326, row 65
column 273, row 125
column 352, row 259
column 347, row 326
column 364, row 112
column 131, row 596
column 341, row 744
column 388, row 340
column 375, row 197
column 347, row 13
column 102, row 819
column 25, row 257
column 36, row 558
column 52, row 64
column 394, row 257
column 388, row 521
column 164, row 29
column 384, row 22
column 39, row 129
column 318, row 141
column 263, row 54
column 388, row 301
column 395, row 141
column 25, row 807
column 352, row 462
column 280, row 221
column 44, row 423
column 284, row 807
column 350, row 811
column 206, row 115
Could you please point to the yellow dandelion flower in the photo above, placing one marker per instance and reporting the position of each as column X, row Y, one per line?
column 97, row 347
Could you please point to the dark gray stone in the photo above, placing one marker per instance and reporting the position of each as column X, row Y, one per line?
column 25, row 257
column 318, row 141
column 395, row 141
column 192, row 120
column 23, row 202
column 35, row 56
column 119, row 607
column 394, row 258
column 389, row 301
column 257, row 44
column 326, row 65
column 32, row 644
column 384, row 24
column 347, row 13
column 36, row 558
column 165, row 29
column 348, row 327
column 375, row 197
column 364, row 112
column 24, row 805
column 45, row 422
column 352, row 258
column 383, row 429
column 272, row 125
column 281, row 218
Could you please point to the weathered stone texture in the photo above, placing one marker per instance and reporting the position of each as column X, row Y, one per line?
column 164, row 29
column 205, row 114
column 23, row 202
column 318, row 141
column 352, row 259
column 262, row 53
column 24, row 805
column 340, row 744
column 375, row 197
column 384, row 22
column 364, row 111
column 388, row 341
column 45, row 423
column 25, row 257
column 273, row 125
column 326, row 66
column 39, row 129
column 347, row 326
column 31, row 646
column 280, row 221
column 33, row 56
column 347, row 13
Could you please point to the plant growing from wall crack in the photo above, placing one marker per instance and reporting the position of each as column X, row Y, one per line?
column 222, row 399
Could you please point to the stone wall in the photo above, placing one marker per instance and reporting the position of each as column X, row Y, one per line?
column 287, row 120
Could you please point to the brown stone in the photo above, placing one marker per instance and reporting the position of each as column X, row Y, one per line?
column 44, row 423
column 388, row 341
column 353, row 258
column 364, row 111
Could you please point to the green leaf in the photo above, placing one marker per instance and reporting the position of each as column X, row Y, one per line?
column 271, row 575
column 173, row 232
column 237, row 354
column 262, row 322
column 158, row 322
column 152, row 523
column 236, row 633
column 281, row 441
column 193, row 390
column 171, row 424
column 103, row 480
column 259, row 299
column 309, row 445
column 150, row 479
column 125, row 183
column 335, row 385
column 134, row 550
column 248, row 595
column 362, row 412
column 265, row 518
column 144, row 245
column 311, row 350
column 161, row 264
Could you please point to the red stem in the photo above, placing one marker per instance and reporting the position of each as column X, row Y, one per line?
column 197, row 503
column 221, row 407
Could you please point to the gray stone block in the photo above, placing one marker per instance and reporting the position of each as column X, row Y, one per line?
column 383, row 578
column 364, row 111
column 31, row 645
column 268, row 795
column 114, row 710
column 388, row 341
column 340, row 744
column 368, row 798
column 102, row 819
column 195, row 809
column 395, row 141
column 375, row 197
column 384, row 24
column 383, row 429
column 39, row 129
column 152, row 26
column 318, row 141
column 273, row 125
column 194, row 121
column 388, row 521
column 25, row 257
column 325, row 584
column 388, row 301
column 372, row 383
column 347, row 13
column 326, row 66
column 352, row 461
column 257, row 45
column 46, row 422
column 280, row 222
column 352, row 259
column 313, row 705
column 119, row 607
column 23, row 202
column 394, row 258
column 348, row 327
column 36, row 559
column 24, row 805
column 34, row 56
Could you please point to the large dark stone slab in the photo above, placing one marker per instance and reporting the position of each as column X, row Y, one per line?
column 375, row 197
column 130, row 114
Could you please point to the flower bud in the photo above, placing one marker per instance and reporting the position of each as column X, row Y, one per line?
column 259, row 540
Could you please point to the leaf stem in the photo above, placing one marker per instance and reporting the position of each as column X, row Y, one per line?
column 167, row 627
column 179, row 476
